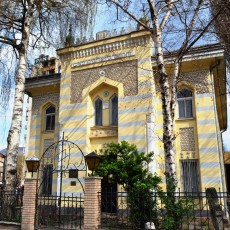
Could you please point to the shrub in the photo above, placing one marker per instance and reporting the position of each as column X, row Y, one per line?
column 129, row 168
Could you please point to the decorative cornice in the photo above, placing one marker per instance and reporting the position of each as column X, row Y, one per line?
column 106, row 48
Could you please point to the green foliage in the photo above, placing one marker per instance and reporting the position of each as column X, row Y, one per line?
column 126, row 166
column 176, row 209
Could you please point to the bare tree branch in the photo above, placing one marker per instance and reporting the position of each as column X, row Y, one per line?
column 169, row 4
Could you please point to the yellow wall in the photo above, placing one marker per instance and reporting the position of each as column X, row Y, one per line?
column 77, row 119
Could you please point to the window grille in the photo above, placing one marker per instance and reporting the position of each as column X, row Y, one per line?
column 184, row 99
column 50, row 118
column 47, row 180
column 98, row 112
column 114, row 110
column 190, row 176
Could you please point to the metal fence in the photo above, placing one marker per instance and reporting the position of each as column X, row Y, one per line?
column 11, row 206
column 59, row 212
column 166, row 211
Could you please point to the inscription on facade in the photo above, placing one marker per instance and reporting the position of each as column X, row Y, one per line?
column 103, row 59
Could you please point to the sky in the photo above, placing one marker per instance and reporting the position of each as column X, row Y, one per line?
column 5, row 122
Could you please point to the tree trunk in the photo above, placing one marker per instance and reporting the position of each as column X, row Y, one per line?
column 168, row 134
column 168, row 114
column 13, row 139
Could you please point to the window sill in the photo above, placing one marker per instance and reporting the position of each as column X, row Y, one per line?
column 103, row 131
column 48, row 131
column 185, row 119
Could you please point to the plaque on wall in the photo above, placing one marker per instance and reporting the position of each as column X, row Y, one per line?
column 105, row 105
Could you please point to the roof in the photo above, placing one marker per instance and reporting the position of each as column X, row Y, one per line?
column 41, row 81
column 47, row 79
column 199, row 52
column 20, row 150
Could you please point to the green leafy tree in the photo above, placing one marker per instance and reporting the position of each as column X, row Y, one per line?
column 128, row 167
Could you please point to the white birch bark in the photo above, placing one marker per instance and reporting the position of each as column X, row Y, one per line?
column 167, row 108
column 167, row 103
column 13, row 138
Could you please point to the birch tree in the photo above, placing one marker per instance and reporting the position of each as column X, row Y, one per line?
column 172, row 24
column 25, row 24
column 222, row 23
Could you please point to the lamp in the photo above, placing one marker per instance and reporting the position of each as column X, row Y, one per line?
column 92, row 160
column 32, row 164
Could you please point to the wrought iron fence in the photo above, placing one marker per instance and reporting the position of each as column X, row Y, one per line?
column 59, row 212
column 11, row 206
column 166, row 211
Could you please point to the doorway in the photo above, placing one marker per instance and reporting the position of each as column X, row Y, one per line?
column 108, row 196
column 227, row 171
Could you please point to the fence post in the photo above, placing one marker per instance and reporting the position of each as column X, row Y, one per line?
column 29, row 203
column 92, row 203
column 215, row 208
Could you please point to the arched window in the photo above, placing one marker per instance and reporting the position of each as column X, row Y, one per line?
column 98, row 112
column 184, row 99
column 114, row 110
column 50, row 118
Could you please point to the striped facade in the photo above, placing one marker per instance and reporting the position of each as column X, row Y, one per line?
column 91, row 71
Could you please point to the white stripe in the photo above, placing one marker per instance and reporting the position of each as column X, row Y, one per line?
column 73, row 118
column 132, row 123
column 73, row 106
column 204, row 108
column 206, row 122
column 136, row 97
column 132, row 137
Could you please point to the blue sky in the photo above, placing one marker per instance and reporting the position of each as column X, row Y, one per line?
column 5, row 123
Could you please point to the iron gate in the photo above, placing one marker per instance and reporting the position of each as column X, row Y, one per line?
column 60, row 192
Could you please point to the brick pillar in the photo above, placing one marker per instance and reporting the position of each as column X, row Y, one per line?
column 92, row 203
column 29, row 203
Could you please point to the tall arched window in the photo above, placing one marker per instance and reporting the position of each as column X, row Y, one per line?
column 114, row 110
column 98, row 112
column 50, row 118
column 184, row 99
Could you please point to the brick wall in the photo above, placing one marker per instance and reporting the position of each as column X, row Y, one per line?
column 29, row 201
column 92, row 203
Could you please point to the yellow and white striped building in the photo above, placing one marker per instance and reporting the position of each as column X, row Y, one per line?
column 108, row 92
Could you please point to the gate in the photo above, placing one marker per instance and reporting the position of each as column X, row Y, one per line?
column 60, row 193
